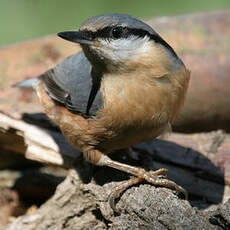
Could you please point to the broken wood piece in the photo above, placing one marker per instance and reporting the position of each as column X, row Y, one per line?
column 203, row 177
column 35, row 143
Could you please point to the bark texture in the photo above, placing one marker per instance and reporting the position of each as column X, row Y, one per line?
column 81, row 201
column 84, row 206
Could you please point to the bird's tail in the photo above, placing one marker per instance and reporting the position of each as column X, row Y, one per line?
column 28, row 83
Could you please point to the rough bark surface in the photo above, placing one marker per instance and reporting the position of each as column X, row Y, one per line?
column 203, row 158
column 84, row 206
column 81, row 201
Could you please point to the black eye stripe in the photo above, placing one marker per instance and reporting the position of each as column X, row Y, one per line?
column 103, row 33
column 161, row 41
column 139, row 32
column 106, row 34
column 89, row 34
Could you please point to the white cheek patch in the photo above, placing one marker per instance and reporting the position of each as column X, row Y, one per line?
column 121, row 49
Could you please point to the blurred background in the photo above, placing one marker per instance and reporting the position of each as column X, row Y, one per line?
column 27, row 19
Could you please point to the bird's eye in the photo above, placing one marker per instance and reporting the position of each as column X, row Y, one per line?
column 117, row 32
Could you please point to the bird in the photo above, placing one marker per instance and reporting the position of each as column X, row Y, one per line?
column 127, row 85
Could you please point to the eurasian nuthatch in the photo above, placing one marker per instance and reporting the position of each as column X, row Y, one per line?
column 126, row 86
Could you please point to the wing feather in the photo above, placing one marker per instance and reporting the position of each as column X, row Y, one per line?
column 70, row 84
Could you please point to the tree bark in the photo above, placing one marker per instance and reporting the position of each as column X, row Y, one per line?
column 81, row 201
column 84, row 206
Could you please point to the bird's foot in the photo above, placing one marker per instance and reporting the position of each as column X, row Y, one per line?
column 157, row 177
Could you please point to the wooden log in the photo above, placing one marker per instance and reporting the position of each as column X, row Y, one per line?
column 35, row 143
column 77, row 206
column 193, row 162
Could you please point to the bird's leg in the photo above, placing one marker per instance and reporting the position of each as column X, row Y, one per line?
column 153, row 177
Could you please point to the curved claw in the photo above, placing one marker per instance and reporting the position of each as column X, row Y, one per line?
column 160, row 173
column 172, row 185
column 119, row 189
column 153, row 177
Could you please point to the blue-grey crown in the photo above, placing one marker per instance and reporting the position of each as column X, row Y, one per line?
column 109, row 20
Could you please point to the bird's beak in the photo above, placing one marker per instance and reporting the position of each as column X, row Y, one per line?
column 75, row 36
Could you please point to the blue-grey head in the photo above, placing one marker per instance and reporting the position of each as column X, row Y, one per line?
column 115, row 39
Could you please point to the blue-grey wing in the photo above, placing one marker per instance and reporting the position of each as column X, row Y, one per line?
column 70, row 84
